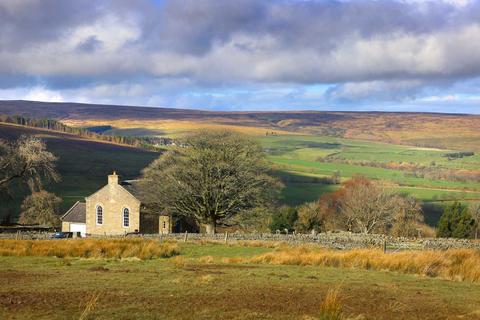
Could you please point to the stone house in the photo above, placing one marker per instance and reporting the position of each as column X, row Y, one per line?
column 115, row 209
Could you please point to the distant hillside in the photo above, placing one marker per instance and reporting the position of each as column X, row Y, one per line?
column 83, row 164
column 447, row 131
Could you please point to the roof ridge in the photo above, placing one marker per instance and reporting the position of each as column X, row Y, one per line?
column 69, row 210
column 75, row 213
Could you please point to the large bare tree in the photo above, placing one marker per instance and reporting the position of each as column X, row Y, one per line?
column 371, row 206
column 28, row 160
column 407, row 216
column 213, row 177
column 367, row 205
column 41, row 208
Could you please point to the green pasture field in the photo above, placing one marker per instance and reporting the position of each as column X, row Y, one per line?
column 309, row 148
column 298, row 155
column 207, row 288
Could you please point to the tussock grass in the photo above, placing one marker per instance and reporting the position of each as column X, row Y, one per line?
column 179, row 261
column 89, row 307
column 206, row 279
column 458, row 264
column 90, row 248
column 331, row 307
column 260, row 244
column 206, row 259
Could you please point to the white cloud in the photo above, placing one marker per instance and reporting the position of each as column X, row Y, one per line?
column 42, row 94
column 112, row 32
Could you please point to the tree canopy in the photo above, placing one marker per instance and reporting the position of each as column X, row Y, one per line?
column 41, row 208
column 214, row 176
column 456, row 222
column 27, row 160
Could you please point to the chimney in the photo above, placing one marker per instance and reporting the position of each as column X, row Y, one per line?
column 113, row 178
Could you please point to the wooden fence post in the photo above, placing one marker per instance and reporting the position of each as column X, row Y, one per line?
column 226, row 237
column 186, row 236
column 384, row 245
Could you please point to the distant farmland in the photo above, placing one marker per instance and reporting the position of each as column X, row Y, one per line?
column 83, row 164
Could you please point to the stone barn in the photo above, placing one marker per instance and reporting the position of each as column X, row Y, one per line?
column 115, row 209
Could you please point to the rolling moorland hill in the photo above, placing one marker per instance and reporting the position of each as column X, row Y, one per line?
column 446, row 131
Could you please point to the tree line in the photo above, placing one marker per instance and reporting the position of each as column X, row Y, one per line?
column 148, row 143
column 412, row 169
column 366, row 206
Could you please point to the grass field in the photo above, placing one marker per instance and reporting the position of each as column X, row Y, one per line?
column 298, row 156
column 208, row 281
column 83, row 165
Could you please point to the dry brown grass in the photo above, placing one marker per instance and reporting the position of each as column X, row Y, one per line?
column 331, row 307
column 206, row 279
column 178, row 128
column 427, row 130
column 260, row 244
column 179, row 261
column 90, row 248
column 89, row 307
column 206, row 259
column 459, row 264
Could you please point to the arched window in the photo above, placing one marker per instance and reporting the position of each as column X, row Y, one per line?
column 126, row 217
column 99, row 215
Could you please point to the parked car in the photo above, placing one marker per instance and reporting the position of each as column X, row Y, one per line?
column 62, row 235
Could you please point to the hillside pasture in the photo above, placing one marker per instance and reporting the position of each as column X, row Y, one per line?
column 83, row 164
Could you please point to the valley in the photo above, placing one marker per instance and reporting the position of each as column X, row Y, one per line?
column 306, row 148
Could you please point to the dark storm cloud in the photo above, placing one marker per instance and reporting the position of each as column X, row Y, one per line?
column 24, row 23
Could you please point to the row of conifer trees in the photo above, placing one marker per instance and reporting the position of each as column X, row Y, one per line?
column 55, row 125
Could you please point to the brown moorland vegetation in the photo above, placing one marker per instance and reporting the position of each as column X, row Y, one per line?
column 448, row 131
column 453, row 264
column 90, row 248
column 458, row 265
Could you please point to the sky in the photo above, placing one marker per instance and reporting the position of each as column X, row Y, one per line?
column 392, row 55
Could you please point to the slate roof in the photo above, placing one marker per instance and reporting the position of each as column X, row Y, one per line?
column 77, row 213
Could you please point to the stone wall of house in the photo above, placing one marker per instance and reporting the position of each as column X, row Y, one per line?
column 113, row 199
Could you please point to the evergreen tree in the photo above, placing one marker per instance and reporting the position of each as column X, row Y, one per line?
column 456, row 222
column 284, row 218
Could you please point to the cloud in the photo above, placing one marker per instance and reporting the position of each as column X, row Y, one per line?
column 182, row 52
column 371, row 91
